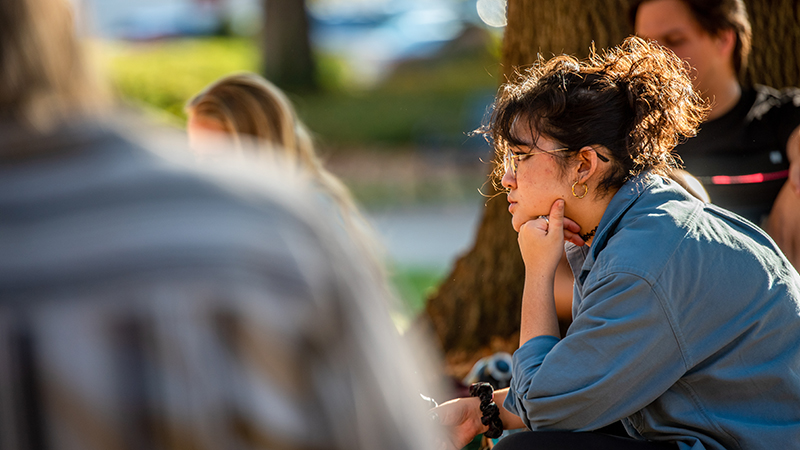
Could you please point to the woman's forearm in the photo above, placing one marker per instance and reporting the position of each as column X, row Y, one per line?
column 510, row 420
column 539, row 316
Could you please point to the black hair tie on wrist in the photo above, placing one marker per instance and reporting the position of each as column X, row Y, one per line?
column 490, row 412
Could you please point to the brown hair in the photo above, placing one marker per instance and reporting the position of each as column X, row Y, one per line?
column 636, row 100
column 44, row 79
column 715, row 16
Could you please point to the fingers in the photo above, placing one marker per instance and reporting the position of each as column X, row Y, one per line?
column 557, row 215
column 458, row 419
column 571, row 229
column 556, row 223
column 794, row 177
column 575, row 238
column 571, row 226
column 793, row 152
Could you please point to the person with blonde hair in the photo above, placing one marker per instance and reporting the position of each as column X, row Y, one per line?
column 685, row 314
column 252, row 112
column 256, row 116
column 246, row 106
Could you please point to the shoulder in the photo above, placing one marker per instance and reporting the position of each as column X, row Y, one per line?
column 667, row 231
column 645, row 235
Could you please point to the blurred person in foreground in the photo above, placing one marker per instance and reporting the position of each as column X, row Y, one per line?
column 686, row 316
column 147, row 303
column 747, row 152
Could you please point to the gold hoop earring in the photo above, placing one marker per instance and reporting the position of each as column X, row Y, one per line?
column 585, row 190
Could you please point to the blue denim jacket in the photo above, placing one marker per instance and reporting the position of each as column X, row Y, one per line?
column 686, row 327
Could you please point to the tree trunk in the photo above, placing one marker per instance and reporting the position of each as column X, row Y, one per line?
column 476, row 310
column 561, row 27
column 287, row 57
column 774, row 59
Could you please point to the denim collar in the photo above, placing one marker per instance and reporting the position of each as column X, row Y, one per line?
column 622, row 201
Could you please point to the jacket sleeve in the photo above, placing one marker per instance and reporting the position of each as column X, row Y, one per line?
column 621, row 353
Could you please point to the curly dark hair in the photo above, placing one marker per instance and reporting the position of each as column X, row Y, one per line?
column 636, row 100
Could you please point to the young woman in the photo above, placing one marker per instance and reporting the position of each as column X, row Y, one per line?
column 252, row 114
column 686, row 318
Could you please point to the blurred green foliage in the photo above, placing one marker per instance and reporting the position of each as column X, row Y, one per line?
column 421, row 100
column 413, row 285
column 416, row 283
column 165, row 74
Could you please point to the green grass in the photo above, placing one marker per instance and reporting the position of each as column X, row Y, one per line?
column 413, row 285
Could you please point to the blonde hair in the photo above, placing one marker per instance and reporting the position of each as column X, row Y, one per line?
column 248, row 107
column 44, row 79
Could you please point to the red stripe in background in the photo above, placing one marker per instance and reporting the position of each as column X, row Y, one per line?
column 749, row 179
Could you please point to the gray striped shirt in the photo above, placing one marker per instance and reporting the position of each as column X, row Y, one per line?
column 148, row 304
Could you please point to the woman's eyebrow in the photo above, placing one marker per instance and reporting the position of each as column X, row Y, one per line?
column 516, row 141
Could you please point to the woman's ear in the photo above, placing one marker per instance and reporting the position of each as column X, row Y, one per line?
column 587, row 163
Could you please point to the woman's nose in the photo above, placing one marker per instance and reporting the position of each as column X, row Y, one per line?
column 509, row 181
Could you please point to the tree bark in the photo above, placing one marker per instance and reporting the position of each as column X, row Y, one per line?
column 287, row 58
column 774, row 59
column 476, row 310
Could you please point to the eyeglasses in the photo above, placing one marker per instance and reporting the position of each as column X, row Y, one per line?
column 511, row 160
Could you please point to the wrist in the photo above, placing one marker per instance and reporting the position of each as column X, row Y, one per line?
column 539, row 281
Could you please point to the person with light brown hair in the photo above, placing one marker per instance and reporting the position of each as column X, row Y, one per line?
column 43, row 85
column 247, row 107
column 677, row 303
column 257, row 117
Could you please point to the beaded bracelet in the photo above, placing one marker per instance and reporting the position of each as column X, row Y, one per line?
column 490, row 413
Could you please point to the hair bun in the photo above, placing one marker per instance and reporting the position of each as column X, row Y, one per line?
column 626, row 89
